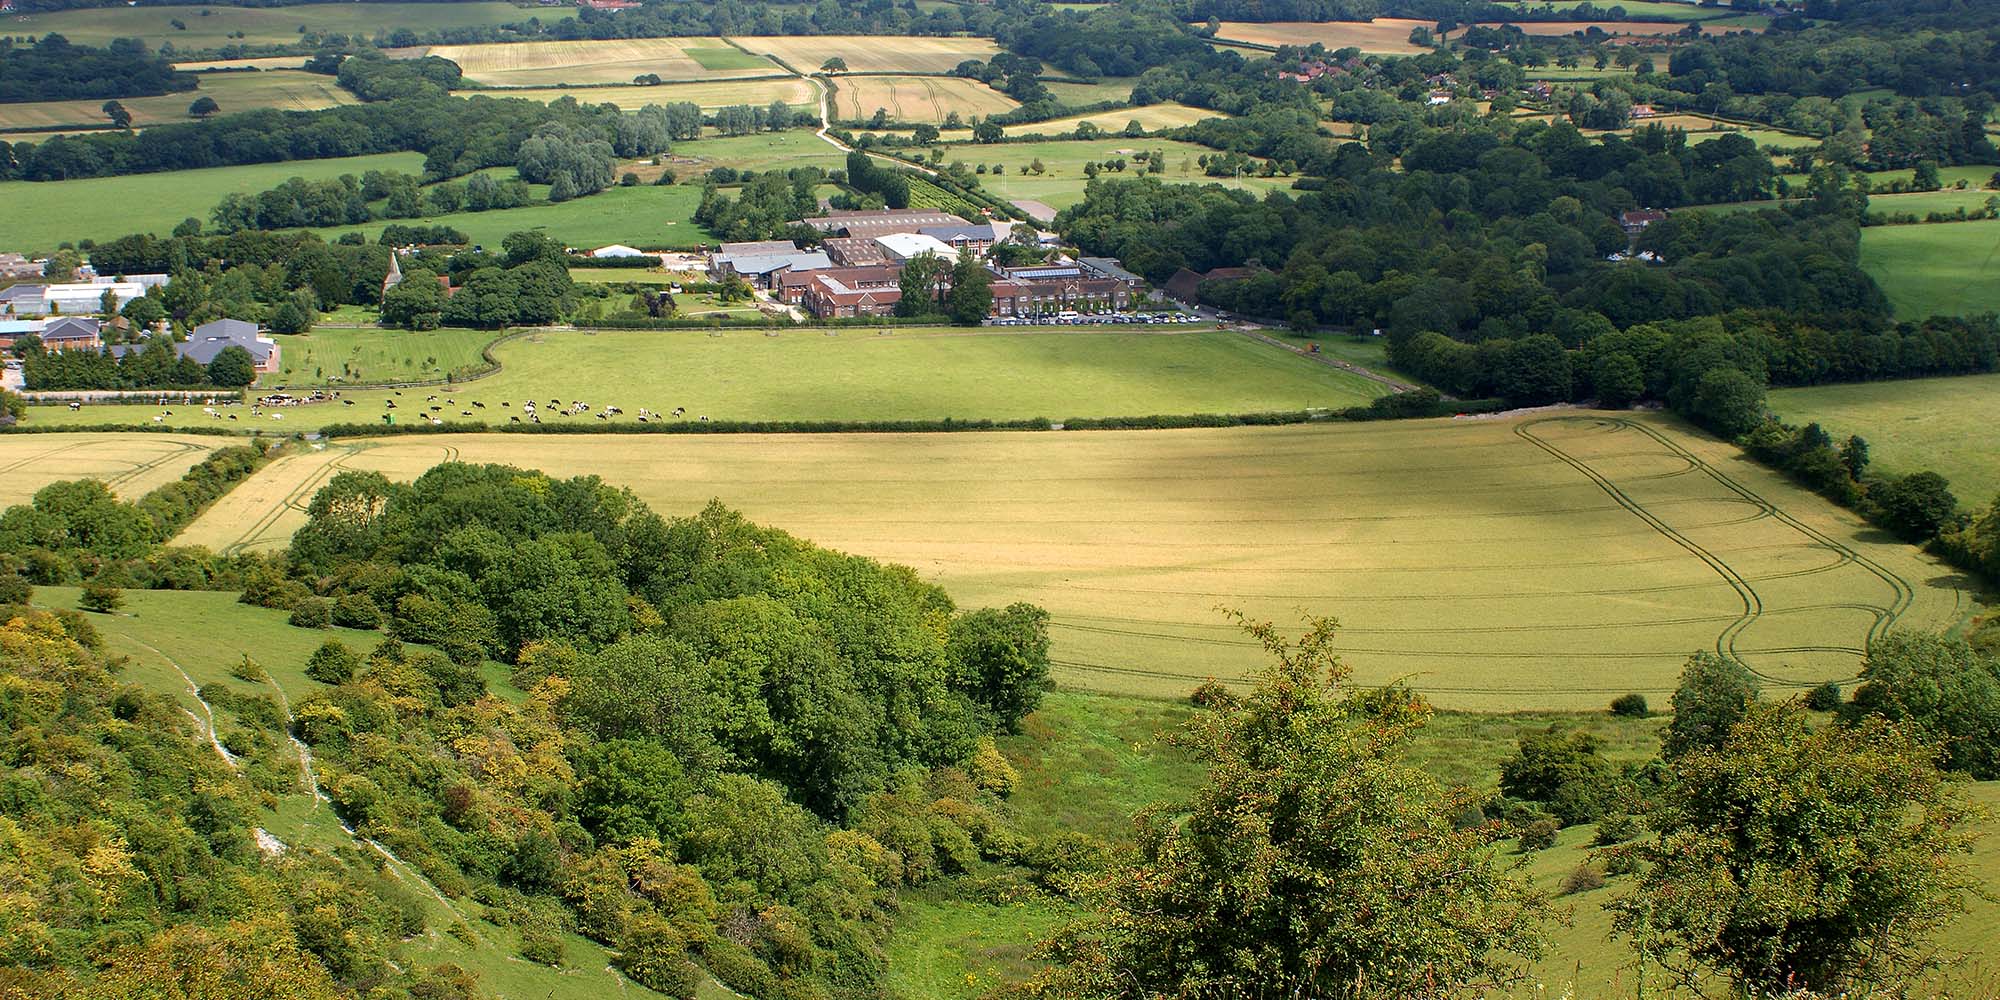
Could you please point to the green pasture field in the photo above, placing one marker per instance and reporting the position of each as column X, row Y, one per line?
column 620, row 275
column 211, row 27
column 286, row 90
column 1110, row 88
column 174, row 641
column 42, row 214
column 1974, row 177
column 1062, row 182
column 760, row 91
column 1652, row 10
column 1945, row 268
column 638, row 216
column 336, row 356
column 132, row 465
column 1497, row 564
column 1944, row 425
column 1151, row 117
column 1921, row 203
column 846, row 374
column 768, row 151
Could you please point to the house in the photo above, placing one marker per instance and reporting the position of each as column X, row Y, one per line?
column 1438, row 97
column 881, row 221
column 14, row 266
column 1020, row 291
column 850, row 293
column 71, row 333
column 1309, row 71
column 1635, row 222
column 979, row 238
column 1644, row 111
column 618, row 251
column 210, row 339
column 1541, row 90
column 903, row 246
column 855, row 251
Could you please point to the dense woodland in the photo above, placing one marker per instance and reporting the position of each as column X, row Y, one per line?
column 53, row 69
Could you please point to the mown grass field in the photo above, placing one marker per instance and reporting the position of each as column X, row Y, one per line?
column 636, row 216
column 759, row 91
column 1382, row 36
column 1945, row 425
column 286, row 90
column 212, row 27
column 1947, row 268
column 1062, row 180
column 870, row 53
column 335, row 356
column 584, row 61
column 1497, row 565
column 132, row 465
column 1608, row 27
column 848, row 374
column 1152, row 117
column 916, row 98
column 43, row 214
column 769, row 151
column 1661, row 10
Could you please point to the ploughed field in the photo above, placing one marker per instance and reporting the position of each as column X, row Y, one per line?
column 131, row 464
column 1541, row 562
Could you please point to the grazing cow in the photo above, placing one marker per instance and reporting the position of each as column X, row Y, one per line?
column 479, row 404
column 347, row 402
column 465, row 413
column 513, row 420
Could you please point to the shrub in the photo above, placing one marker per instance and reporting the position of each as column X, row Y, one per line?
column 101, row 597
column 545, row 947
column 1616, row 830
column 1539, row 835
column 1581, row 879
column 332, row 663
column 357, row 611
column 1563, row 770
column 312, row 612
column 990, row 769
column 1621, row 862
column 1632, row 706
column 15, row 589
column 1824, row 698
column 250, row 670
column 1212, row 693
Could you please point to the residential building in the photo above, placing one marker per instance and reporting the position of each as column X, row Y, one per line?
column 1644, row 111
column 850, row 293
column 71, row 333
column 903, row 246
column 881, row 221
column 15, row 267
column 210, row 339
column 1047, row 288
column 854, row 251
column 1635, row 222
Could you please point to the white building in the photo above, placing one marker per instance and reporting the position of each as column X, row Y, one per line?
column 618, row 250
column 903, row 246
column 88, row 297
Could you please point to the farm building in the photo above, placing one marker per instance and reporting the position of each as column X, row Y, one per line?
column 852, row 292
column 903, row 246
column 85, row 297
column 766, row 269
column 1047, row 288
column 854, row 251
column 14, row 266
column 21, row 300
column 210, row 339
column 881, row 221
column 756, row 248
column 979, row 238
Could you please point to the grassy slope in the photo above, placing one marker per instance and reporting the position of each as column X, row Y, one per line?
column 211, row 27
column 1941, row 424
column 1947, row 267
column 41, row 215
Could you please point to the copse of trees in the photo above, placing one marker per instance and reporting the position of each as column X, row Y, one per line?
column 573, row 163
column 55, row 69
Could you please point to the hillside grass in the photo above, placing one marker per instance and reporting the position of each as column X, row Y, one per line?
column 637, row 216
column 45, row 213
column 1944, row 425
column 1492, row 563
column 213, row 27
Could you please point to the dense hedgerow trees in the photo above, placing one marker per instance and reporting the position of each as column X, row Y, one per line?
column 54, row 69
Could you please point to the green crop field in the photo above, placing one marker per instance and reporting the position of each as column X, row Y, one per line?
column 852, row 374
column 637, row 216
column 1945, row 425
column 1945, row 268
column 1496, row 564
column 42, row 214
column 286, row 90
column 213, row 27
column 334, row 356
column 132, row 464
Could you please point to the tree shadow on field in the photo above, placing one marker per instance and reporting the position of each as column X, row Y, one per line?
column 1982, row 594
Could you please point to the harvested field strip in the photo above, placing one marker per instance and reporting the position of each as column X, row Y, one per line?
column 132, row 465
column 1384, row 36
column 1152, row 118
column 916, row 98
column 594, row 61
column 707, row 93
column 869, row 53
column 1499, row 565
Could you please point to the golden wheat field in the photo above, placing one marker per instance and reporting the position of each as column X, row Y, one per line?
column 131, row 464
column 1383, row 36
column 707, row 93
column 1495, row 564
column 871, row 53
column 1152, row 118
column 539, row 64
column 917, row 98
